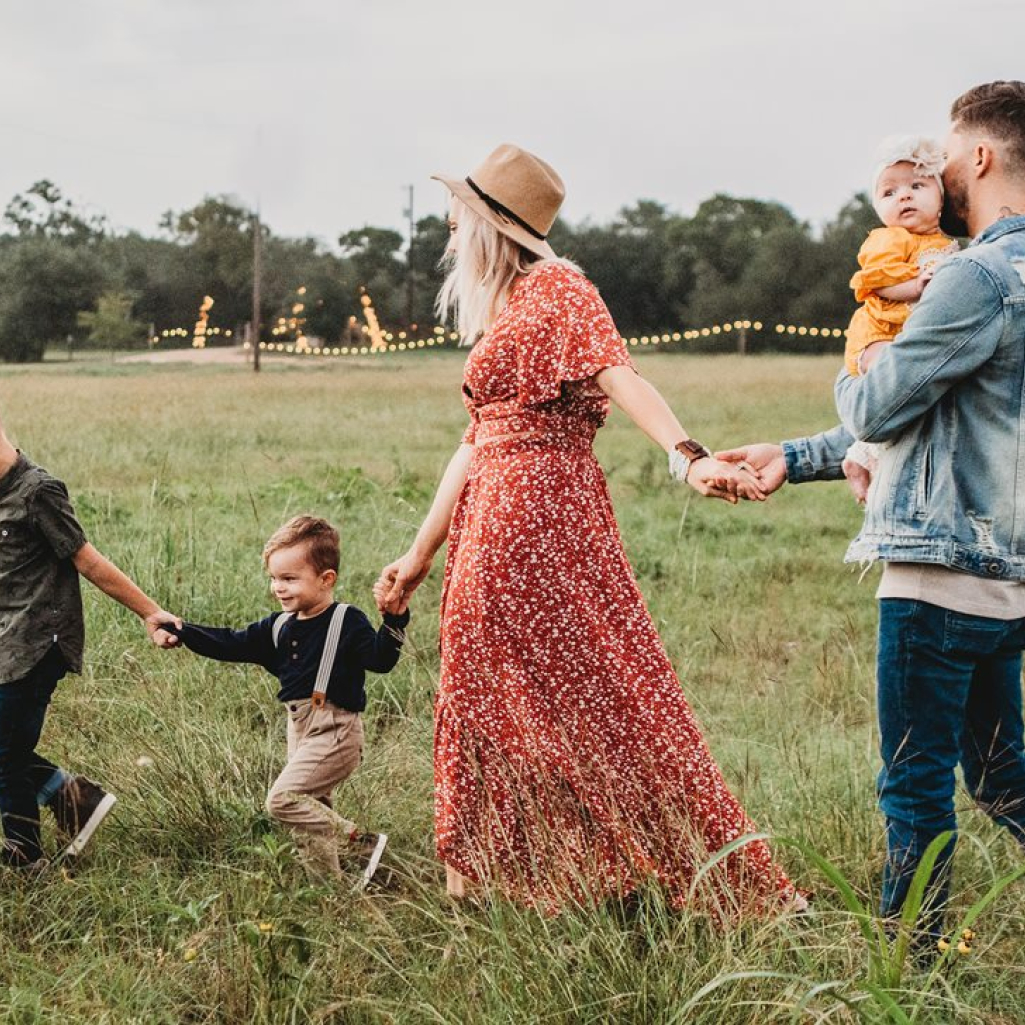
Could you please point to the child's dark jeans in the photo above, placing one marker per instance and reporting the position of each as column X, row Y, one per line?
column 25, row 775
column 949, row 692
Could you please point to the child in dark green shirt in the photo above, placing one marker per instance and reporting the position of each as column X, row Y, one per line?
column 43, row 550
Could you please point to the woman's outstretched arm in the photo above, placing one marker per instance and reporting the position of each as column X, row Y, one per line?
column 642, row 402
column 401, row 578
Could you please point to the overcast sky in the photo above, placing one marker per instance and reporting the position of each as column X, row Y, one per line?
column 323, row 110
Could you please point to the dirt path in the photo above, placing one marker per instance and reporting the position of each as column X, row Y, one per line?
column 220, row 355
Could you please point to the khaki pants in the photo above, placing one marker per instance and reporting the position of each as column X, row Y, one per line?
column 325, row 745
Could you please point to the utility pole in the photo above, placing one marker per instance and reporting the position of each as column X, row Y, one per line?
column 254, row 333
column 409, row 259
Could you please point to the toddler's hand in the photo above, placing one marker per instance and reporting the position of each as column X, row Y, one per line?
column 859, row 479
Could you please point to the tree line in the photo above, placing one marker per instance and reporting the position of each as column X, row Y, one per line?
column 67, row 278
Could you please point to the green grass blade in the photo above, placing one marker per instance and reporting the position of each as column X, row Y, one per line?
column 910, row 913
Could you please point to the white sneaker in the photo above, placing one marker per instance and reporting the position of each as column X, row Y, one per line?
column 79, row 807
column 369, row 847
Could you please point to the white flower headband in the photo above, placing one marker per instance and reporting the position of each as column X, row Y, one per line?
column 924, row 153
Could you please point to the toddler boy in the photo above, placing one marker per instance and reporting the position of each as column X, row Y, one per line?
column 319, row 651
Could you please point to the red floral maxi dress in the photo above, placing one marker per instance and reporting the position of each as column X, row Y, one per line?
column 567, row 762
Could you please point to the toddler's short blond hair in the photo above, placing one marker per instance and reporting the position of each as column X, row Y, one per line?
column 319, row 537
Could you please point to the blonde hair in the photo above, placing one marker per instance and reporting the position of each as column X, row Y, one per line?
column 482, row 265
column 319, row 537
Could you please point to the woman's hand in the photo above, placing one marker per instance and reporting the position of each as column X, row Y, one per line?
column 398, row 581
column 728, row 481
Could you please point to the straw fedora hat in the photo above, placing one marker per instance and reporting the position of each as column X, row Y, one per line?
column 516, row 192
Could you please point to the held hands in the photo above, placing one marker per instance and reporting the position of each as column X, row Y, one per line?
column 765, row 459
column 398, row 581
column 715, row 478
column 155, row 623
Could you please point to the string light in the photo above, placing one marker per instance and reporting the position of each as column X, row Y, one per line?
column 815, row 332
column 387, row 342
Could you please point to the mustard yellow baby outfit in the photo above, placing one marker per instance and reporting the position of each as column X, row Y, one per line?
column 889, row 256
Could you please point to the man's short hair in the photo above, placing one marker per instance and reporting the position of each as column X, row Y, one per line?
column 996, row 109
column 319, row 537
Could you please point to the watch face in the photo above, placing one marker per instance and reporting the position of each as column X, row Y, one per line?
column 692, row 449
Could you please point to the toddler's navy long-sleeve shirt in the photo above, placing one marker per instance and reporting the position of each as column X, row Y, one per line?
column 296, row 658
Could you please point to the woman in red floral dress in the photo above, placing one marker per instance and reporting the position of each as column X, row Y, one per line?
column 567, row 762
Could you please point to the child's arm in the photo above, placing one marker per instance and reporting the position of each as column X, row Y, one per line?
column 253, row 643
column 376, row 650
column 907, row 291
column 102, row 573
column 887, row 268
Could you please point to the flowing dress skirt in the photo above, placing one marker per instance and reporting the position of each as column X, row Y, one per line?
column 568, row 764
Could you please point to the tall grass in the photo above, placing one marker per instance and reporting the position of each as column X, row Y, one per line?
column 191, row 908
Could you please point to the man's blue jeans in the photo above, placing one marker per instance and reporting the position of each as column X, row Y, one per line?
column 949, row 692
column 27, row 780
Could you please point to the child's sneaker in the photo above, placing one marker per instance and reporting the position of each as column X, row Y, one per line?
column 79, row 807
column 368, row 848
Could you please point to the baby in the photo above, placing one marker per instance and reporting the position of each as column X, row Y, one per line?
column 897, row 262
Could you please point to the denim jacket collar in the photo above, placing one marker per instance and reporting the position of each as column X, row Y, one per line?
column 998, row 228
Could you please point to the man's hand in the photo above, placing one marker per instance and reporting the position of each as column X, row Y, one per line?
column 766, row 459
column 155, row 623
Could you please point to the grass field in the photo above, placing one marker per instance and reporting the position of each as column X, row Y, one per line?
column 191, row 907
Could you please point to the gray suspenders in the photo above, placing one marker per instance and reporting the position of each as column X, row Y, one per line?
column 327, row 656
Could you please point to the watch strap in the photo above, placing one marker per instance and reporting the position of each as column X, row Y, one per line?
column 692, row 449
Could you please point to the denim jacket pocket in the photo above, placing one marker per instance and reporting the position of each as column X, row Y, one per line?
column 905, row 475
column 924, row 484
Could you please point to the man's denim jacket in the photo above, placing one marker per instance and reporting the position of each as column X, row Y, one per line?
column 946, row 402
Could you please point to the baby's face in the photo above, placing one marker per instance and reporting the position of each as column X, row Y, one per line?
column 905, row 199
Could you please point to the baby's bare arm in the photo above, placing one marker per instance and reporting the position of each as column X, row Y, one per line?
column 906, row 291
